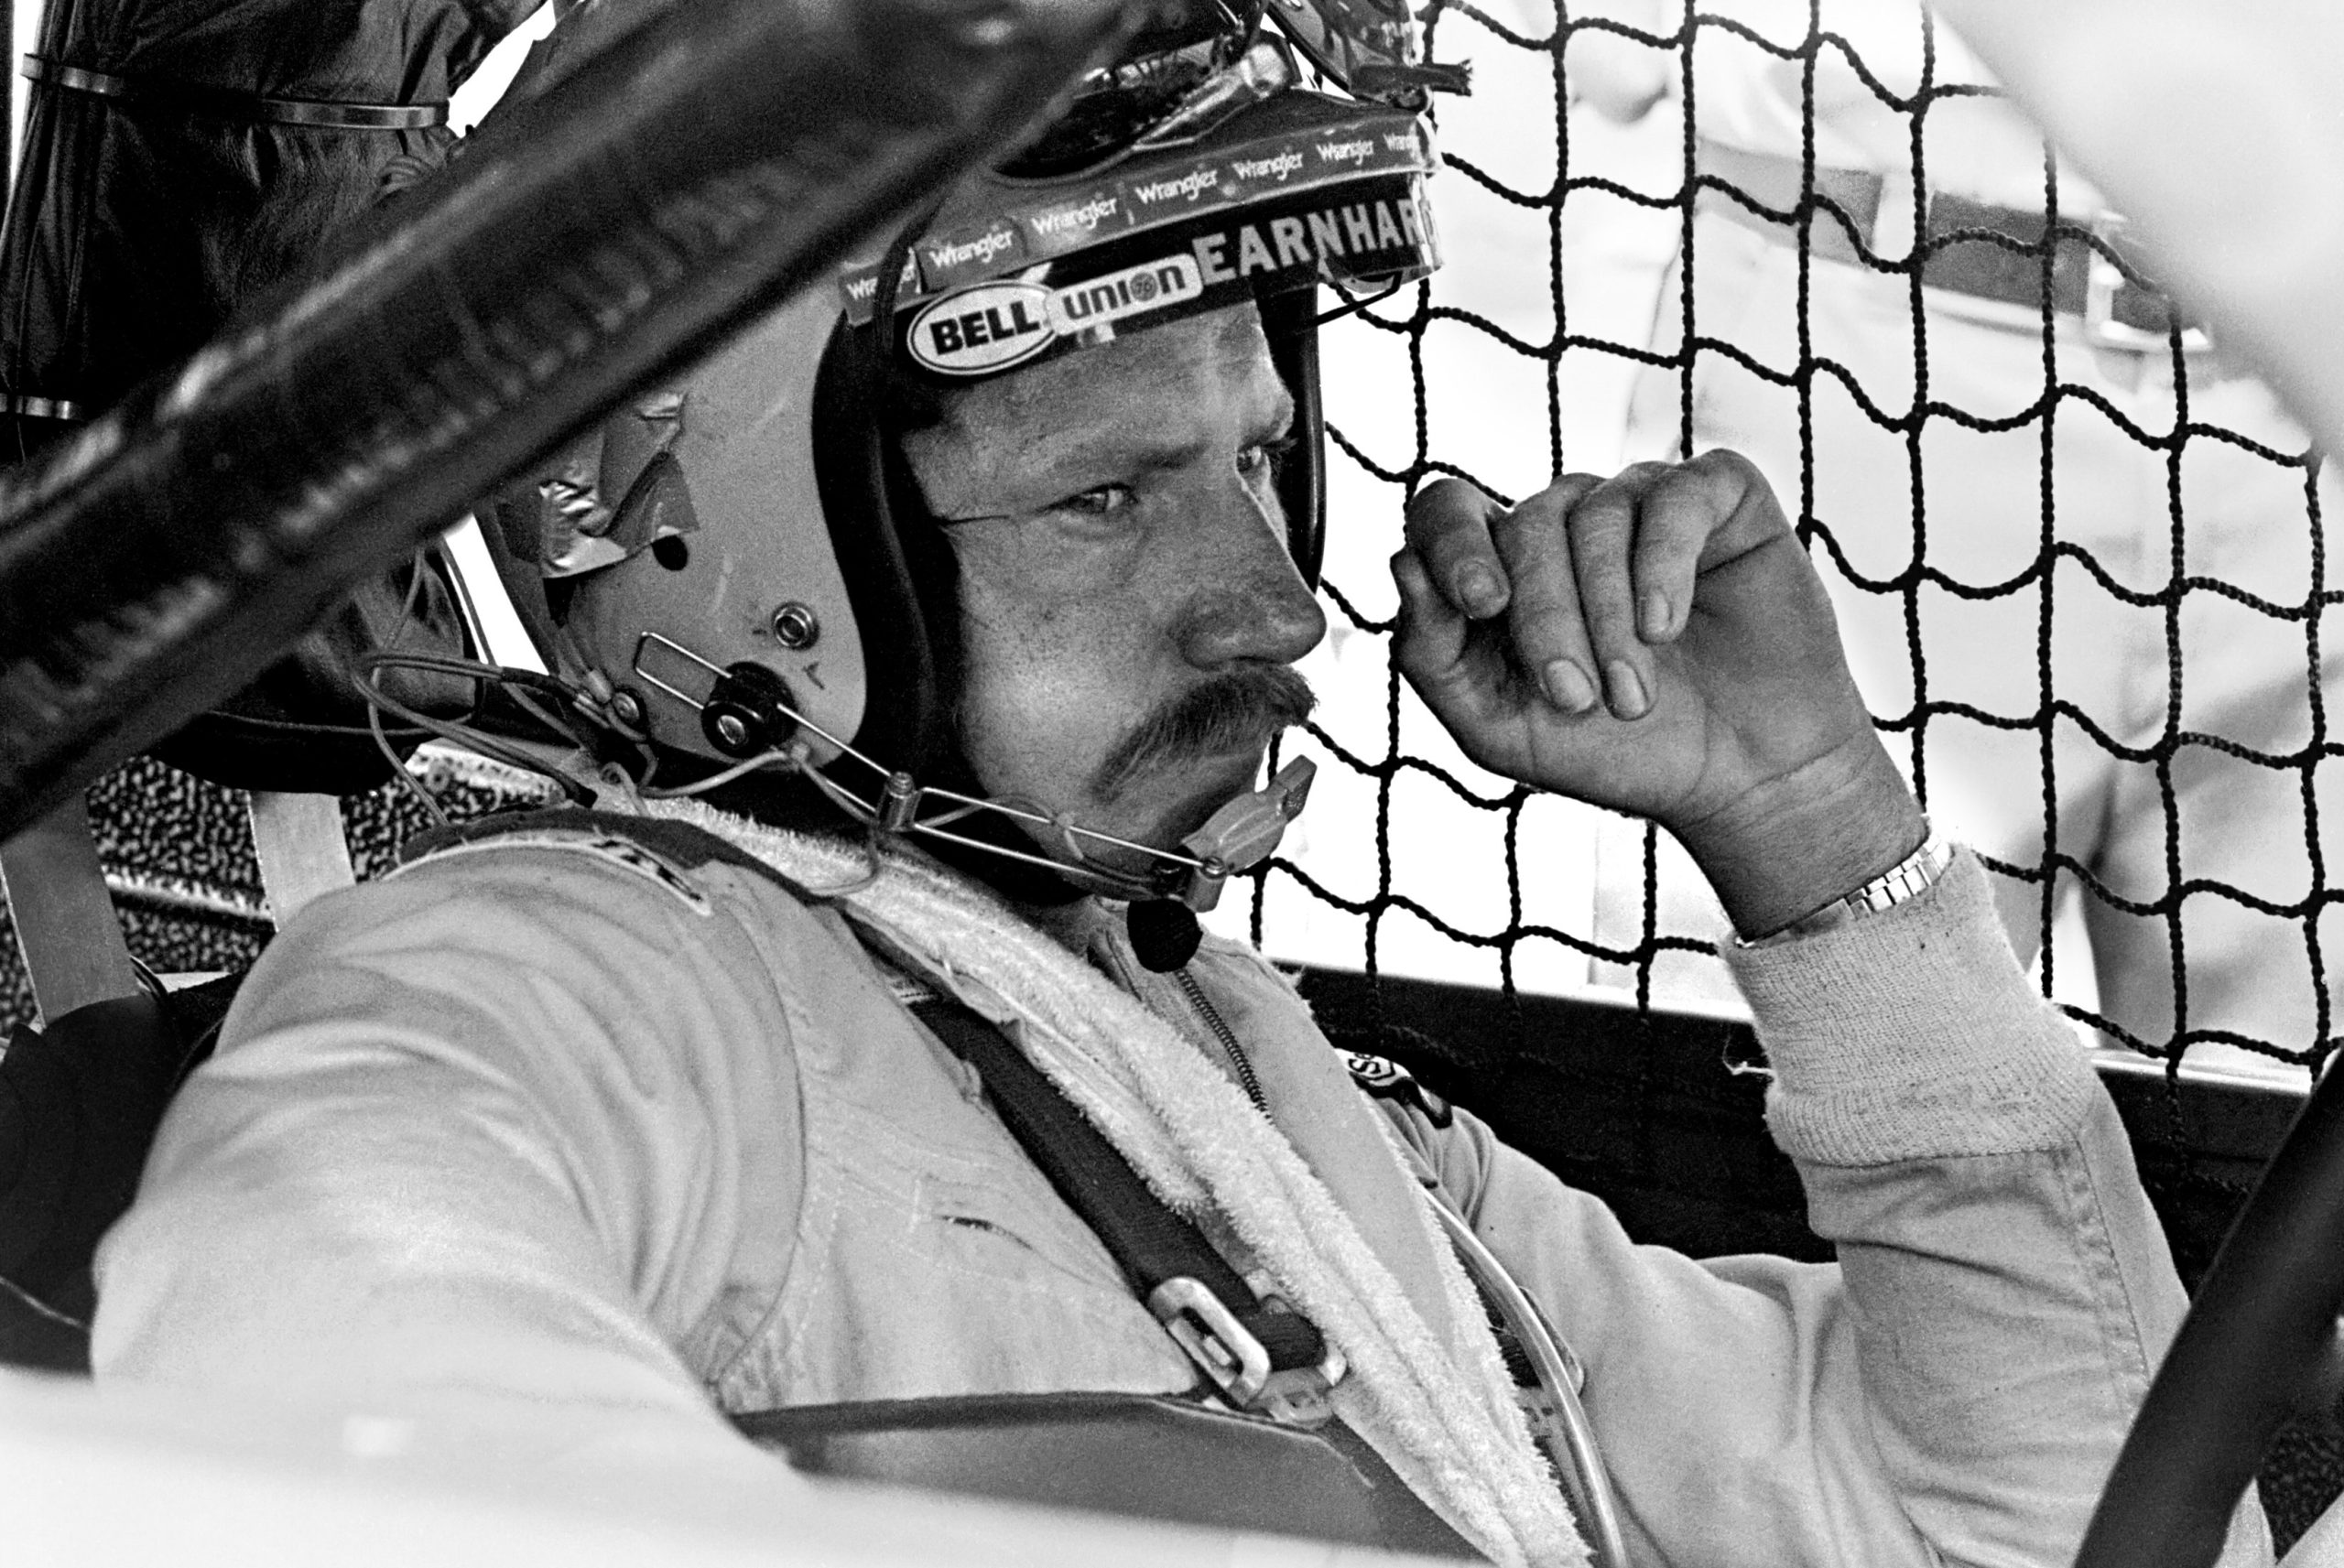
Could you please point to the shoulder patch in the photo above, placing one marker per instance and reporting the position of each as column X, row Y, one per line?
column 1386, row 1079
column 608, row 848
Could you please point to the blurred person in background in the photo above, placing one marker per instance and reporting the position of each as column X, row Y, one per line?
column 1942, row 477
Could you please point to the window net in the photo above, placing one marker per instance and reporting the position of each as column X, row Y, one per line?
column 2076, row 553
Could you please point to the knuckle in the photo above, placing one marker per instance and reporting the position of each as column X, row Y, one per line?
column 1698, row 474
column 1566, row 493
column 1604, row 509
column 1443, row 507
column 1594, row 528
column 1733, row 473
column 1443, row 543
column 1526, row 542
column 1724, row 459
column 1688, row 501
column 1512, row 529
column 1599, row 543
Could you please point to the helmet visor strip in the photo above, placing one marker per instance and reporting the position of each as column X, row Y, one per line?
column 748, row 710
column 1313, row 191
column 1370, row 47
column 1194, row 75
column 1179, row 79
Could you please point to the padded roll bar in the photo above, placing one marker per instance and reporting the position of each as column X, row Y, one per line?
column 610, row 232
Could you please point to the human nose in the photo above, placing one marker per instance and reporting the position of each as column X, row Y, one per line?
column 1248, row 600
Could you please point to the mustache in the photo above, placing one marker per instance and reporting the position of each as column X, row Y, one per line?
column 1219, row 716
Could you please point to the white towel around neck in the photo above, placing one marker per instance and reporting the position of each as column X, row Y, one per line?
column 1446, row 1422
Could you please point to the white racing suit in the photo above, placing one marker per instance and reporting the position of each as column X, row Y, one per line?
column 556, row 1117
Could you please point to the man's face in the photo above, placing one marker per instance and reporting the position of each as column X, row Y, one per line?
column 1128, row 607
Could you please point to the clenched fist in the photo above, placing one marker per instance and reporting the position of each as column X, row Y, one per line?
column 1658, row 643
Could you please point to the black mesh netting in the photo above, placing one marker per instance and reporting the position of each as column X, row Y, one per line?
column 2078, row 552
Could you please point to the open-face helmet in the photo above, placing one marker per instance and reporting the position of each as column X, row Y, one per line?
column 742, row 560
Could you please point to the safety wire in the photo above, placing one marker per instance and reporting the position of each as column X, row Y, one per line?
column 518, row 684
column 901, row 807
column 375, row 699
column 797, row 758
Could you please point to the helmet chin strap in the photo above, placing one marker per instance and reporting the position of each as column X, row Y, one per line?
column 749, row 713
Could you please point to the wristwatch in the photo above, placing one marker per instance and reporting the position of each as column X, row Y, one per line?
column 1908, row 878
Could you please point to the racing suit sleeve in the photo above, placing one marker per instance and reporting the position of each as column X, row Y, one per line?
column 1956, row 1386
column 468, row 1141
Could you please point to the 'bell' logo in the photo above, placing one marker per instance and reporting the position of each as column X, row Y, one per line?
column 983, row 329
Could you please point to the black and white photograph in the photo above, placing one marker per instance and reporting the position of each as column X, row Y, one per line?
column 1003, row 783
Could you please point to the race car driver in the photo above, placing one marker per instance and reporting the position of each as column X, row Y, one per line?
column 1002, row 552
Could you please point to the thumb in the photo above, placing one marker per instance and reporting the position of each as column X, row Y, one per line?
column 1431, row 644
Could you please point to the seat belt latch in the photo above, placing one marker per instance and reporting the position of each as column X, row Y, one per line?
column 1231, row 1355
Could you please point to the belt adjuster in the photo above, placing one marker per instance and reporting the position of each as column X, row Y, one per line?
column 1237, row 1361
column 2104, row 281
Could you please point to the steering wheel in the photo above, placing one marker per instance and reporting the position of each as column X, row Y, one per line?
column 2259, row 1344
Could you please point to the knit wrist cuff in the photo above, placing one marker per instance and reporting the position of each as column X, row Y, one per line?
column 1912, row 1034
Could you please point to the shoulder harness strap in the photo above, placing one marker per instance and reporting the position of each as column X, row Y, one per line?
column 1259, row 1353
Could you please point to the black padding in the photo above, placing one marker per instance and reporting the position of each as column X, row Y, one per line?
column 244, row 750
column 36, row 1338
column 80, row 1103
column 1123, row 1454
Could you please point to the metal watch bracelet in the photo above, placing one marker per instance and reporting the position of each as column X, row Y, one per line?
column 1908, row 878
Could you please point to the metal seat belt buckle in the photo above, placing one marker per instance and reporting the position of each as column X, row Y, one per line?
column 1237, row 1362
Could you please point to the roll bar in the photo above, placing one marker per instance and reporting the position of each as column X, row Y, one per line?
column 605, row 234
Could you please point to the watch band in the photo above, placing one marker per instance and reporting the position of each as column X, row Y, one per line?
column 1908, row 878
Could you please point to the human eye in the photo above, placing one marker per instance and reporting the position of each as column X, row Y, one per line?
column 1265, row 458
column 1098, row 501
